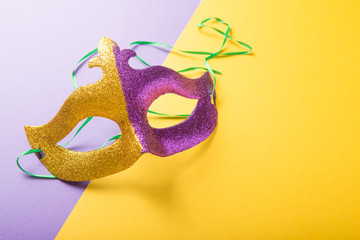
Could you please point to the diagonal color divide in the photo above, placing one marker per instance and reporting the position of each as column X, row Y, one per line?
column 284, row 160
column 41, row 42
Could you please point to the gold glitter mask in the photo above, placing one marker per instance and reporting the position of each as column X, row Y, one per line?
column 124, row 94
column 103, row 98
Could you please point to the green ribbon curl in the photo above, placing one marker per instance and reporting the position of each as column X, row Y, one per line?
column 207, row 67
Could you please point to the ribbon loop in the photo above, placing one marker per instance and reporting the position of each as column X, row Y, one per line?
column 31, row 174
column 209, row 55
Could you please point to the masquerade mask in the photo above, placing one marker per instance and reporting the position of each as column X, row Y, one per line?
column 124, row 94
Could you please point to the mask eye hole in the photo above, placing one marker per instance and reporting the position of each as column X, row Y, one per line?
column 92, row 136
column 172, row 104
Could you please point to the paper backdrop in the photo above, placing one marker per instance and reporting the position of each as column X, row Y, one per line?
column 40, row 43
column 284, row 161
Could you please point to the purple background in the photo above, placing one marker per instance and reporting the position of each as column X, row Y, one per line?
column 40, row 43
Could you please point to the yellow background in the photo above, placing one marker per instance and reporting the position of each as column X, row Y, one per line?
column 284, row 162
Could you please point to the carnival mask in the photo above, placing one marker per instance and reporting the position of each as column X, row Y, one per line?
column 124, row 94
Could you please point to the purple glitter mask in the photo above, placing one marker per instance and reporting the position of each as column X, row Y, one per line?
column 124, row 95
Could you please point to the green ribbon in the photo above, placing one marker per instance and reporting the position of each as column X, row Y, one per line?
column 207, row 67
column 31, row 174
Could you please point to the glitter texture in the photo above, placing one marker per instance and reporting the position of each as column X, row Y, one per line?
column 103, row 98
column 123, row 94
column 142, row 86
